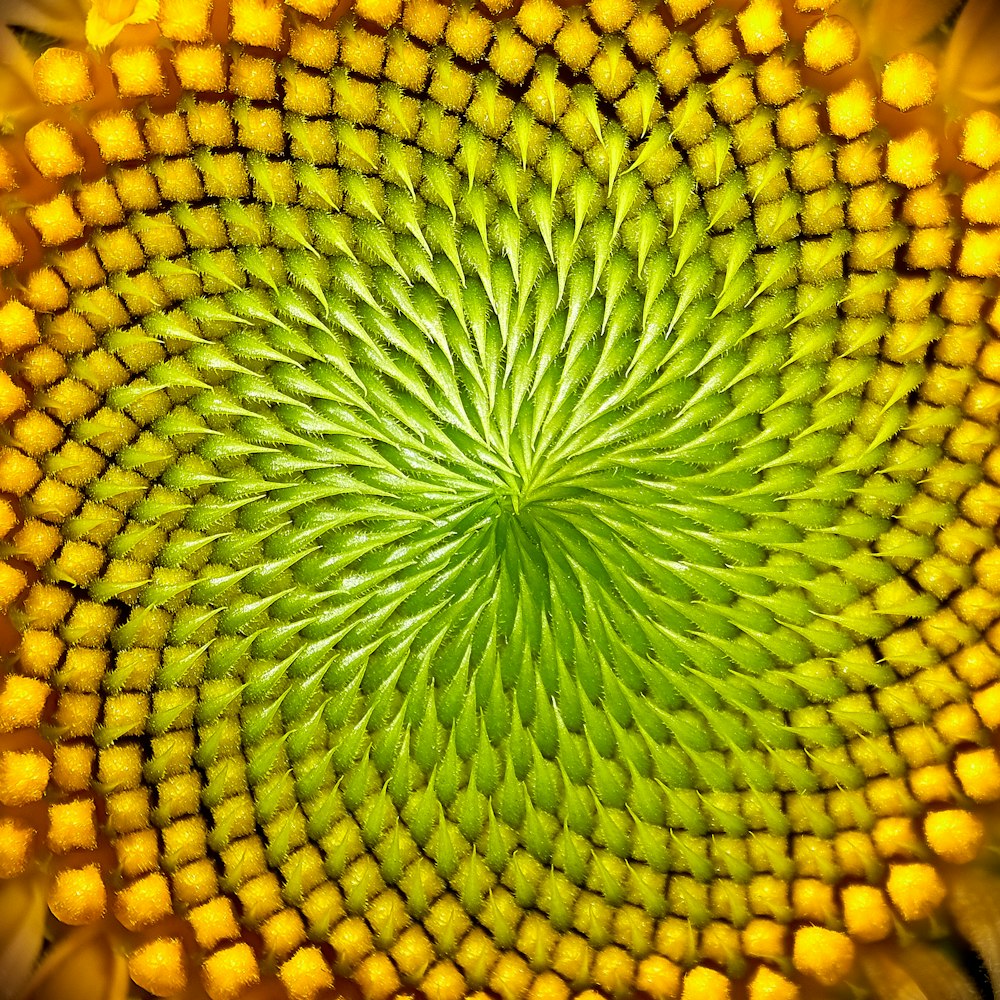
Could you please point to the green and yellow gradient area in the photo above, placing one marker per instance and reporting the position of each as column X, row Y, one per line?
column 501, row 501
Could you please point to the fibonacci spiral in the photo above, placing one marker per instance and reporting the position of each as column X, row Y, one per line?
column 500, row 499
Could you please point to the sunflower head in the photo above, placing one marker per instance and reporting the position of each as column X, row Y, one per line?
column 499, row 499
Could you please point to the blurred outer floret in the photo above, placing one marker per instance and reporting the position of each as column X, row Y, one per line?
column 499, row 500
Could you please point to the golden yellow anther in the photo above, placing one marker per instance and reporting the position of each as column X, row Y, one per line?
column 979, row 774
column 987, row 704
column 866, row 913
column 159, row 967
column 15, row 845
column 703, row 983
column 229, row 972
column 144, row 902
column 77, row 896
column 824, row 955
column 916, row 890
column 830, row 43
column 540, row 20
column 760, row 26
column 611, row 15
column 306, row 974
column 185, row 20
column 138, row 72
column 52, row 150
column 258, row 22
column 981, row 139
column 72, row 826
column 766, row 984
column 22, row 702
column 912, row 160
column 909, row 81
column 12, row 582
column 62, row 76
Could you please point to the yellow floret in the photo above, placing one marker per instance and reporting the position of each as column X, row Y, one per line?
column 117, row 137
column 912, row 160
column 954, row 834
column 684, row 10
column 659, row 977
column 382, row 12
column 981, row 139
column 56, row 221
column 916, row 890
column 981, row 200
column 44, row 291
column 830, row 43
column 229, row 972
column 77, row 896
column 138, row 72
column 306, row 974
column 425, row 19
column 258, row 22
column 822, row 954
column 159, row 967
column 24, row 776
column 18, row 327
column 703, row 983
column 62, row 76
column 540, row 20
column 11, row 250
column 22, row 702
column 12, row 582
column 52, row 150
column 980, row 253
column 909, row 81
column 979, row 774
column 72, row 826
column 201, row 67
column 185, row 20
column 766, row 984
column 15, row 847
column 144, row 902
column 852, row 110
column 611, row 15
column 866, row 913
column 760, row 26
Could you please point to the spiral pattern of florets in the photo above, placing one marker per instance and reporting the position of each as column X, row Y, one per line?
column 499, row 499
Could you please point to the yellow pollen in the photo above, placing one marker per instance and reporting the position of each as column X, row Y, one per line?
column 866, row 913
column 306, row 974
column 185, row 20
column 258, row 22
column 979, row 774
column 981, row 200
column 909, row 81
column 852, row 110
column 659, row 977
column 144, row 902
column 954, row 834
column 22, row 702
column 137, row 72
column 72, row 826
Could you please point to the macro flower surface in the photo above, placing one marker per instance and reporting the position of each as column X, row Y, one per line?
column 500, row 499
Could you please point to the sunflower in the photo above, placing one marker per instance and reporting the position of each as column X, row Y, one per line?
column 499, row 499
